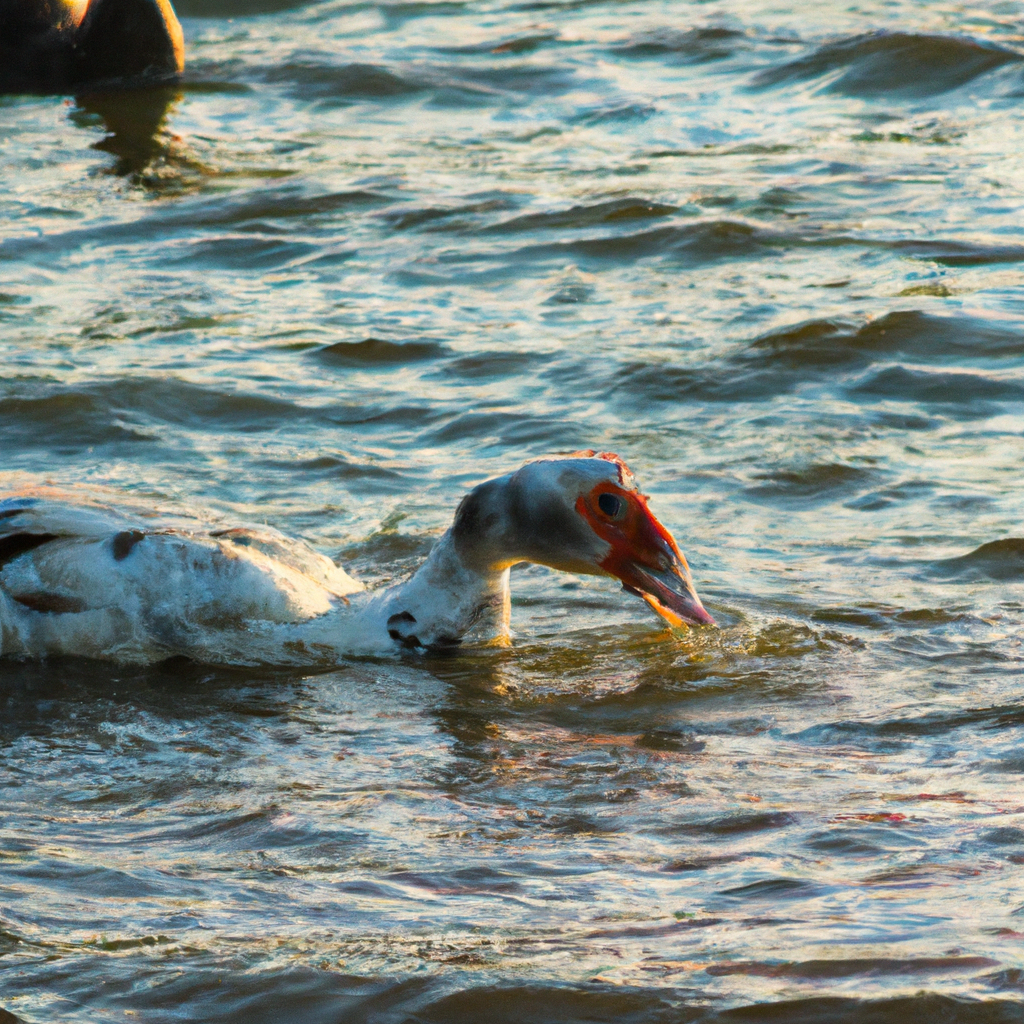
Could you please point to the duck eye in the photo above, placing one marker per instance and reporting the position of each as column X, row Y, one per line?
column 610, row 505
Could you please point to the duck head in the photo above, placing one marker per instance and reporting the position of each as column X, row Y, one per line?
column 580, row 513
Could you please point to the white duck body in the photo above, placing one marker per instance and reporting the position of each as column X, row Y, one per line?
column 79, row 577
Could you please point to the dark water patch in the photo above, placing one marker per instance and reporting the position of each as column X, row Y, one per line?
column 571, row 292
column 814, row 485
column 937, row 723
column 846, row 842
column 670, row 739
column 733, row 824
column 924, row 1006
column 609, row 212
column 699, row 244
column 122, row 410
column 919, row 875
column 271, row 204
column 892, row 64
column 202, row 987
column 1012, row 765
column 384, row 415
column 694, row 46
column 168, row 400
column 503, row 428
column 208, row 989
column 66, row 419
column 541, row 1004
column 246, row 831
column 1009, row 980
column 492, row 365
column 459, row 217
column 779, row 361
column 910, row 490
column 864, row 617
column 858, row 967
column 779, row 200
column 1006, row 836
column 213, row 87
column 902, row 420
column 397, row 13
column 963, row 393
column 326, row 83
column 134, row 119
column 97, row 880
column 512, row 45
column 625, row 113
column 235, row 8
column 711, row 150
column 700, row 863
column 500, row 78
column 955, row 253
column 840, row 343
column 242, row 252
column 642, row 931
column 378, row 352
column 470, row 880
column 773, row 888
column 337, row 467
column 997, row 560
column 246, row 209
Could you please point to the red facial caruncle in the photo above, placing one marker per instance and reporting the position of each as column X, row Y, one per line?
column 643, row 554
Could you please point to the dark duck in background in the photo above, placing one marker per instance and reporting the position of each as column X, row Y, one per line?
column 73, row 45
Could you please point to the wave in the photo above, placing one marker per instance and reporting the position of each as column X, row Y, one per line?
column 773, row 889
column 953, row 253
column 234, row 8
column 694, row 46
column 610, row 212
column 997, row 560
column 811, row 485
column 446, row 218
column 854, row 967
column 693, row 244
column 892, row 63
column 836, row 342
column 128, row 410
column 937, row 723
column 513, row 44
column 241, row 252
column 962, row 391
column 237, row 995
column 779, row 361
column 377, row 352
column 326, row 83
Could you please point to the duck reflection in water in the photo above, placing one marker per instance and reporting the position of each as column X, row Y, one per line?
column 134, row 120
column 121, row 58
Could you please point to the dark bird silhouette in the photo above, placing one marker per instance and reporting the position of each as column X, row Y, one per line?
column 71, row 45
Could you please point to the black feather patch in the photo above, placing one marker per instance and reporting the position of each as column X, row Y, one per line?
column 124, row 543
column 395, row 625
column 15, row 544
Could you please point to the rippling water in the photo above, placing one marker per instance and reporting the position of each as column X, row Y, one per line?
column 367, row 254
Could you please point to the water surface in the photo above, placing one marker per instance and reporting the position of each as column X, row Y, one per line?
column 367, row 254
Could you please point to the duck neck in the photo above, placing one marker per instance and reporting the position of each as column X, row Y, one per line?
column 448, row 596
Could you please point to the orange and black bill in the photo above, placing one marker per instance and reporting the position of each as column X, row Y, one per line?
column 644, row 556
